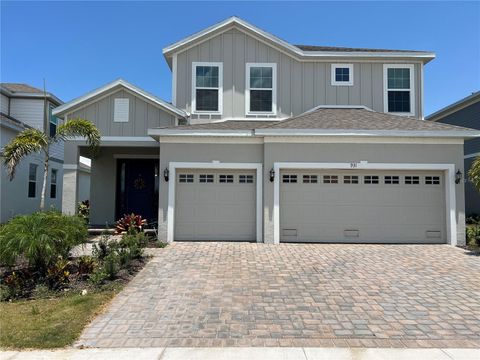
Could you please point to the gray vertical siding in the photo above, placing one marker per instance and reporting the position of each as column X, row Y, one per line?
column 142, row 116
column 300, row 85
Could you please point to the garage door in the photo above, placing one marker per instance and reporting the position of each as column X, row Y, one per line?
column 362, row 206
column 215, row 205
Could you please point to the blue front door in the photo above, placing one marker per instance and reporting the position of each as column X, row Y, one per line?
column 137, row 188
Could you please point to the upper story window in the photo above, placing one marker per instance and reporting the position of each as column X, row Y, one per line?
column 52, row 121
column 121, row 110
column 207, row 87
column 398, row 89
column 342, row 74
column 261, row 90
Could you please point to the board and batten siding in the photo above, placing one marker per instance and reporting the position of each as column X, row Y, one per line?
column 300, row 85
column 142, row 115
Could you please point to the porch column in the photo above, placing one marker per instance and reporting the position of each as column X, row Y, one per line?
column 70, row 179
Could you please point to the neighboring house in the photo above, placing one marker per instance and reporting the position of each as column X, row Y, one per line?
column 281, row 143
column 465, row 112
column 23, row 106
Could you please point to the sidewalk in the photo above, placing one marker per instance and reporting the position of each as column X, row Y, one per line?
column 246, row 354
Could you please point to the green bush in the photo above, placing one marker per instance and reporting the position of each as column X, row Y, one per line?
column 473, row 235
column 41, row 238
column 111, row 265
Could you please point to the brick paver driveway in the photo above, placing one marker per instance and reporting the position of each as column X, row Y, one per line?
column 242, row 294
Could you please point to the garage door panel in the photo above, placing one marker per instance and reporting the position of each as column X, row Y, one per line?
column 380, row 212
column 215, row 205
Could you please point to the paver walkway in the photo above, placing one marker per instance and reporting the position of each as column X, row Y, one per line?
column 242, row 294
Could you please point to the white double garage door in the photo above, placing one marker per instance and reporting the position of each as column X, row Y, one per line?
column 315, row 206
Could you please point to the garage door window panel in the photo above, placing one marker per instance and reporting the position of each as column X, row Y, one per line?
column 226, row 179
column 350, row 179
column 185, row 178
column 245, row 179
column 310, row 179
column 206, row 178
column 392, row 180
column 412, row 180
column 289, row 179
column 330, row 179
column 370, row 179
column 432, row 180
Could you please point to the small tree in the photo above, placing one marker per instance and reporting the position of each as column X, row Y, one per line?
column 31, row 141
column 474, row 173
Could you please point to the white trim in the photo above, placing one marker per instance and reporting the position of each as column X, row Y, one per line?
column 273, row 66
column 422, row 93
column 412, row 88
column 368, row 133
column 334, row 82
column 173, row 166
column 115, row 138
column 174, row 80
column 135, row 156
column 360, row 140
column 219, row 89
column 70, row 167
column 200, row 132
column 468, row 156
column 291, row 49
column 209, row 140
column 63, row 109
column 449, row 170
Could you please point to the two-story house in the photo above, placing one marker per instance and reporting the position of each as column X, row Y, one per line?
column 272, row 142
column 24, row 106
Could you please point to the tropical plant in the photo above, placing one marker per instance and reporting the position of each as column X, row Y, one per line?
column 41, row 238
column 130, row 224
column 58, row 273
column 473, row 235
column 83, row 209
column 31, row 141
column 474, row 173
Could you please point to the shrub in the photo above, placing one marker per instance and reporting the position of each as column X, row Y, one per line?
column 41, row 238
column 111, row 265
column 101, row 249
column 98, row 277
column 86, row 265
column 473, row 235
column 57, row 274
column 83, row 210
column 130, row 224
column 133, row 244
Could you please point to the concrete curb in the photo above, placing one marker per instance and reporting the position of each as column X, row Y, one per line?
column 296, row 353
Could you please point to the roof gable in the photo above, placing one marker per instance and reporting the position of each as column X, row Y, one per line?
column 300, row 51
column 114, row 86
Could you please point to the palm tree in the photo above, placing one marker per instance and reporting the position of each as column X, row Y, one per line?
column 474, row 173
column 31, row 141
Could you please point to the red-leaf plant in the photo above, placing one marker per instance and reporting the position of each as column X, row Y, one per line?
column 130, row 224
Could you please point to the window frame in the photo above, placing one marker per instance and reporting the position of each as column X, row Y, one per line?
column 219, row 88
column 248, row 66
column 226, row 179
column 50, row 122
column 186, row 178
column 334, row 82
column 53, row 184
column 411, row 67
column 34, row 181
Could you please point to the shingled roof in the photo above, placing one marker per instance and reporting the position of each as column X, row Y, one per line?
column 21, row 88
column 350, row 49
column 359, row 118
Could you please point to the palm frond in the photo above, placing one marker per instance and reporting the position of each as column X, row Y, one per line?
column 474, row 173
column 25, row 143
column 79, row 127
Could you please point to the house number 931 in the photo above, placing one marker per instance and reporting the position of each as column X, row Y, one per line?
column 354, row 165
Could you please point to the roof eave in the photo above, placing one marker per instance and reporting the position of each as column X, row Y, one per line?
column 458, row 105
column 370, row 133
column 195, row 133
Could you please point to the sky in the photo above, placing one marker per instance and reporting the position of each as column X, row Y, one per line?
column 79, row 46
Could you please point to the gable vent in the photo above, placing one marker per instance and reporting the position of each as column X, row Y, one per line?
column 121, row 110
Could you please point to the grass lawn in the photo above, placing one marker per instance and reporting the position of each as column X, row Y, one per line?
column 49, row 323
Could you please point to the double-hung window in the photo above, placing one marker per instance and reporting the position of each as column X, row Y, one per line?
column 398, row 89
column 207, row 88
column 261, row 92
column 32, row 180
column 53, row 184
column 342, row 75
column 52, row 122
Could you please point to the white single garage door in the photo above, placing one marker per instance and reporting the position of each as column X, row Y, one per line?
column 215, row 205
column 362, row 206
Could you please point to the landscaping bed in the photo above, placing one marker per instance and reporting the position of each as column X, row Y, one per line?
column 47, row 296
